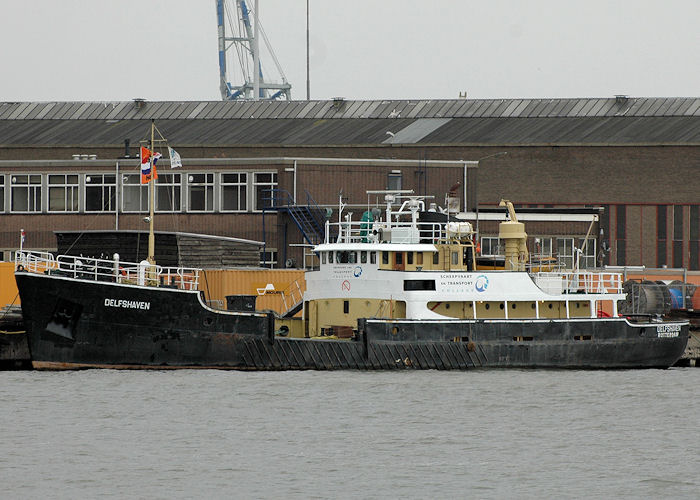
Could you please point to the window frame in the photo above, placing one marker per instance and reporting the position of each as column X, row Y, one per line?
column 209, row 191
column 164, row 185
column 242, row 204
column 101, row 186
column 257, row 192
column 31, row 189
column 134, row 186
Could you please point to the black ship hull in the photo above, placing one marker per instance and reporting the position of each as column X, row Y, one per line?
column 72, row 323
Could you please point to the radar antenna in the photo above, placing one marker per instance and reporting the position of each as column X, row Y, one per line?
column 240, row 46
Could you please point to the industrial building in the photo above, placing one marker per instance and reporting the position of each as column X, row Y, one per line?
column 252, row 170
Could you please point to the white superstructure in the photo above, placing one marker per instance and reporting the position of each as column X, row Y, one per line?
column 400, row 267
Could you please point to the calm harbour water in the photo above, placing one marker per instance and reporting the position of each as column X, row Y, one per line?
column 478, row 434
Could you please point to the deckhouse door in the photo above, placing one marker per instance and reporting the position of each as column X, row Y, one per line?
column 399, row 261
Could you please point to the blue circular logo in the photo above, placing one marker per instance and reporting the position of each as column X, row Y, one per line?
column 482, row 283
column 357, row 271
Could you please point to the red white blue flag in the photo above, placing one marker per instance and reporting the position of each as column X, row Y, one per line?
column 148, row 171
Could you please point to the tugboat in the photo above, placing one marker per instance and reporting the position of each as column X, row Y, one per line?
column 393, row 293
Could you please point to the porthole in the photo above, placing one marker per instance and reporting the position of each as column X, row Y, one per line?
column 500, row 306
column 488, row 306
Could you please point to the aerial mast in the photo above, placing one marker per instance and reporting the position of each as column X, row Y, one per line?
column 242, row 47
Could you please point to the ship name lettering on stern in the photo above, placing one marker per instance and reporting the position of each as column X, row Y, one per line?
column 668, row 330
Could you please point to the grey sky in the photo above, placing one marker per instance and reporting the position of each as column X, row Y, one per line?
column 360, row 49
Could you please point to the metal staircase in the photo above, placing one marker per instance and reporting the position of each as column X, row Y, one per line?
column 309, row 217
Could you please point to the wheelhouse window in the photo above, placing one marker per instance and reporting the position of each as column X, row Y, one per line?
column 100, row 193
column 419, row 285
column 134, row 194
column 264, row 184
column 200, row 192
column 169, row 193
column 234, row 192
column 25, row 193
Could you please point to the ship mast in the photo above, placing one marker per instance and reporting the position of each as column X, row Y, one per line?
column 151, row 196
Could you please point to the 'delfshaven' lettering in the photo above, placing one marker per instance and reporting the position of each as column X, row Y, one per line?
column 127, row 304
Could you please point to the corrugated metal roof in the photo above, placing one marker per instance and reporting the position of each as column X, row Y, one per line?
column 618, row 120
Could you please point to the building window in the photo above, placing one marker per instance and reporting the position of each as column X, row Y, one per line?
column 26, row 193
column 233, row 192
column 169, row 193
column 200, row 192
column 543, row 247
column 694, row 244
column 678, row 236
column 490, row 246
column 587, row 255
column 100, row 193
column 264, row 184
column 393, row 180
column 568, row 253
column 565, row 252
column 63, row 192
column 268, row 258
column 661, row 235
column 134, row 194
column 621, row 234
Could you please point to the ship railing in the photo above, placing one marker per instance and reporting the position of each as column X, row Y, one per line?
column 33, row 261
column 93, row 269
column 591, row 282
column 396, row 232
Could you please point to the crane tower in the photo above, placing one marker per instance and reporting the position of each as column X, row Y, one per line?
column 239, row 54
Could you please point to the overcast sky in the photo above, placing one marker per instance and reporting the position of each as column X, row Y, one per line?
column 102, row 50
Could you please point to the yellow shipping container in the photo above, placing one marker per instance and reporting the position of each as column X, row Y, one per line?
column 275, row 289
column 8, row 287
